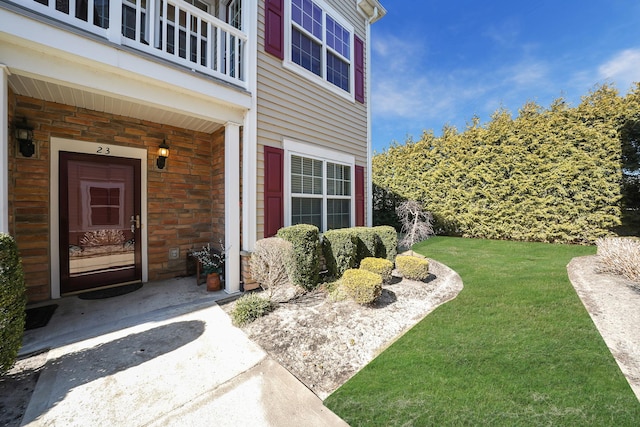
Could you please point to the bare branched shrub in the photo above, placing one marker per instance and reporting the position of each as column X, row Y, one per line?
column 417, row 224
column 620, row 256
column 268, row 264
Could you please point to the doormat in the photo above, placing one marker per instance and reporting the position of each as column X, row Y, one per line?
column 38, row 317
column 110, row 292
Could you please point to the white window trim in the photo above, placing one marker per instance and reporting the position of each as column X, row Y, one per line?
column 297, row 69
column 294, row 148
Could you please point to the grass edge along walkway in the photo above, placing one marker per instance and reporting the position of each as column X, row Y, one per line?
column 516, row 347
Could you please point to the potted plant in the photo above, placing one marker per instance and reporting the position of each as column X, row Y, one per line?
column 212, row 263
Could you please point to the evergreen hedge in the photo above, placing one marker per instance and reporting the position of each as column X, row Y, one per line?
column 12, row 302
column 340, row 248
column 368, row 242
column 550, row 175
column 388, row 247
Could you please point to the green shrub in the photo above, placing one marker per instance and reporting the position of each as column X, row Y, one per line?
column 361, row 285
column 303, row 267
column 380, row 266
column 340, row 248
column 368, row 242
column 12, row 302
column 249, row 307
column 388, row 238
column 412, row 267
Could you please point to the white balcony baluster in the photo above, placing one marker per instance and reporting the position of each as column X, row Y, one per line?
column 208, row 45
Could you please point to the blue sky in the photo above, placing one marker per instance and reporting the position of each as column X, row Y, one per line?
column 442, row 62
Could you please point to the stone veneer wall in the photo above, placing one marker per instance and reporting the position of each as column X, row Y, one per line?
column 185, row 200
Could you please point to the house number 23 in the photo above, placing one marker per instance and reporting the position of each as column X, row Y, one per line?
column 103, row 150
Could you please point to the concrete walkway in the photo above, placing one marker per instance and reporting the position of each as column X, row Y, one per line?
column 165, row 355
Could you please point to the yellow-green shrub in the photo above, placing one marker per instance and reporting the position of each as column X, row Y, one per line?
column 380, row 266
column 412, row 267
column 361, row 285
column 249, row 307
column 550, row 174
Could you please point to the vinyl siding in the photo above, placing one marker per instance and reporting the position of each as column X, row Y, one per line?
column 293, row 107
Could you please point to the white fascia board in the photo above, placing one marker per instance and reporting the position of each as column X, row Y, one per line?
column 372, row 10
column 58, row 55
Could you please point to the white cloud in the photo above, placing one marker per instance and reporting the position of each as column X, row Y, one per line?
column 528, row 73
column 407, row 87
column 505, row 34
column 623, row 68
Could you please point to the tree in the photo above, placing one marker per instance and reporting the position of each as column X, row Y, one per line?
column 417, row 224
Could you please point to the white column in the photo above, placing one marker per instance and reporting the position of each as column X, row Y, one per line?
column 232, row 206
column 4, row 149
column 249, row 131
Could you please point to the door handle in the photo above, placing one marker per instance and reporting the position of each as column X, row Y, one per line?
column 135, row 222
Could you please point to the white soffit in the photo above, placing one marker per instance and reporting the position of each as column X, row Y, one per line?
column 53, row 92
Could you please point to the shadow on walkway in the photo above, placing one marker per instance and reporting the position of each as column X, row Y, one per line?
column 103, row 360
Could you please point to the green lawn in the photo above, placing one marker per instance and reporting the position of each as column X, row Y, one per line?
column 516, row 347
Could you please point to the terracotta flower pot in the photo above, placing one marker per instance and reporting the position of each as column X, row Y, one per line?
column 213, row 282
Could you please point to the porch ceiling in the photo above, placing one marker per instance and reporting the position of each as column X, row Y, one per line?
column 53, row 92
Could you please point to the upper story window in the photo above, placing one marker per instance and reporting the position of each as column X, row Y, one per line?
column 321, row 43
column 315, row 41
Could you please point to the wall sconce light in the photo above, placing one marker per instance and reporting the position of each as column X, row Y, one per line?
column 163, row 153
column 24, row 135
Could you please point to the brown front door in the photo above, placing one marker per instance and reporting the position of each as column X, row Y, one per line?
column 100, row 239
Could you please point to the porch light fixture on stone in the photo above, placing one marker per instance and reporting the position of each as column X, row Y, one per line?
column 163, row 153
column 24, row 135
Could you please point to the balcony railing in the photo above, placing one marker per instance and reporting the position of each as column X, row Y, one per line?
column 170, row 29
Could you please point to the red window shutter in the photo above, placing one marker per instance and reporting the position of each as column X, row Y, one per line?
column 273, row 190
column 274, row 27
column 359, row 196
column 358, row 46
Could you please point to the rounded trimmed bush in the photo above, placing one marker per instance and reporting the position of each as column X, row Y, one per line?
column 368, row 242
column 388, row 242
column 12, row 302
column 340, row 248
column 381, row 266
column 363, row 286
column 412, row 267
column 303, row 267
column 249, row 307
